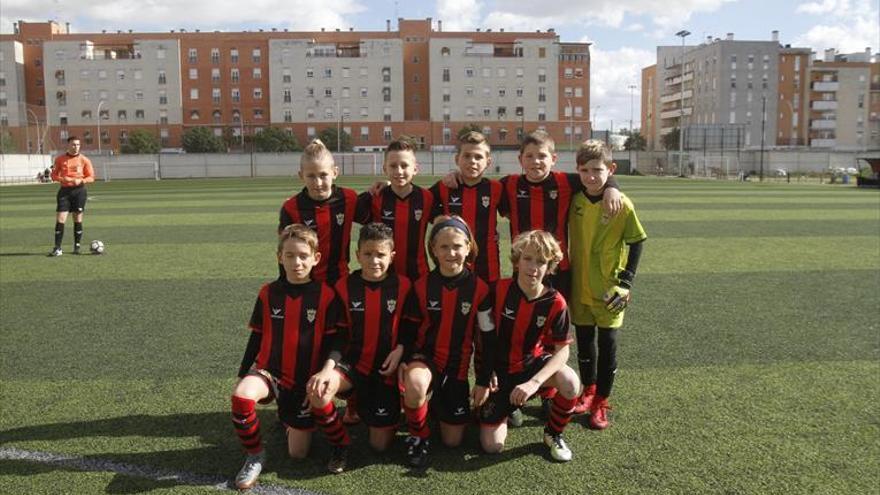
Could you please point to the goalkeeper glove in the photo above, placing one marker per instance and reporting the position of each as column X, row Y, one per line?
column 617, row 297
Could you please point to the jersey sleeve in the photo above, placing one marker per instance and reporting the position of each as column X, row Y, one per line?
column 88, row 171
column 363, row 211
column 559, row 333
column 503, row 202
column 256, row 323
column 633, row 231
column 437, row 210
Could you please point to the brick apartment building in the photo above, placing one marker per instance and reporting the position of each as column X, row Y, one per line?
column 418, row 80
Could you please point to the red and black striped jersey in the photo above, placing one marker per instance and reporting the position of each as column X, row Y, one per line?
column 478, row 206
column 331, row 220
column 526, row 328
column 371, row 318
column 297, row 324
column 445, row 310
column 540, row 206
column 408, row 217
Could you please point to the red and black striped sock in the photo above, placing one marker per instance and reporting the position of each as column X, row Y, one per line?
column 331, row 424
column 247, row 424
column 417, row 420
column 547, row 392
column 560, row 413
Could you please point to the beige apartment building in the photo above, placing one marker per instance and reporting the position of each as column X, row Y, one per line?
column 375, row 85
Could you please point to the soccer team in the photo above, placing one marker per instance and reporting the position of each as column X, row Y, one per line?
column 396, row 335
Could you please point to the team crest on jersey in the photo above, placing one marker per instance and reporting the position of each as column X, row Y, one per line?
column 553, row 194
column 340, row 218
column 391, row 305
column 310, row 315
column 485, row 201
column 540, row 321
column 277, row 314
column 465, row 307
column 418, row 214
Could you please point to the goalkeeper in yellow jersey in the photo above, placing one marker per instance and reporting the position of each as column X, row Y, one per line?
column 604, row 253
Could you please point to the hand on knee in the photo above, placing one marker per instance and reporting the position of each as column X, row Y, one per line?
column 567, row 383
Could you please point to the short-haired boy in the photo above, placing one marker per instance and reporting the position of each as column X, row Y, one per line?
column 476, row 200
column 404, row 206
column 293, row 334
column 605, row 253
column 531, row 346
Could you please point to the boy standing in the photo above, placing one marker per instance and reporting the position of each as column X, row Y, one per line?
column 404, row 206
column 73, row 171
column 605, row 255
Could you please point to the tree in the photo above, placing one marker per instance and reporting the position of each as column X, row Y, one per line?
column 141, row 141
column 328, row 135
column 275, row 139
column 670, row 140
column 202, row 140
column 7, row 144
column 468, row 128
column 635, row 142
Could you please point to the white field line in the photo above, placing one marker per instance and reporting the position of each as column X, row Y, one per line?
column 104, row 465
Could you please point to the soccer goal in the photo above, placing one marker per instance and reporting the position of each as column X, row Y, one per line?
column 113, row 170
column 358, row 163
column 717, row 166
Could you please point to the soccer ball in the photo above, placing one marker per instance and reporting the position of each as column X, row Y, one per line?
column 97, row 247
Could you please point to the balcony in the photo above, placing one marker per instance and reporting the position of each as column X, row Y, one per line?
column 823, row 143
column 674, row 114
column 823, row 124
column 824, row 105
column 826, row 86
column 675, row 80
column 676, row 96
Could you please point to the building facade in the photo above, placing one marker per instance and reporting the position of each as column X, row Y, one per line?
column 374, row 85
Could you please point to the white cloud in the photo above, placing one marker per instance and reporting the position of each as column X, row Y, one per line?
column 161, row 15
column 459, row 15
column 611, row 74
column 847, row 27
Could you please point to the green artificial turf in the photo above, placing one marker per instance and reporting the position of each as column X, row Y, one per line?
column 748, row 359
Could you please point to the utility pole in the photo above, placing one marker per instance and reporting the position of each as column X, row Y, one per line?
column 763, row 121
column 684, row 33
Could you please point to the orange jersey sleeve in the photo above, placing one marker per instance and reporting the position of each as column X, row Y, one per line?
column 67, row 169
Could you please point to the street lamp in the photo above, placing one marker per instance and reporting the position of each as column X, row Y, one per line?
column 595, row 121
column 570, row 125
column 684, row 33
column 100, row 104
column 338, row 128
column 632, row 88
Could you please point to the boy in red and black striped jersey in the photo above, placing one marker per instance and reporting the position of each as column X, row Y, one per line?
column 532, row 346
column 476, row 200
column 373, row 301
column 293, row 335
column 324, row 207
column 404, row 206
column 449, row 305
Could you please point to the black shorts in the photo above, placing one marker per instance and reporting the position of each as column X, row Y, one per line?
column 291, row 410
column 72, row 199
column 450, row 397
column 378, row 398
column 497, row 407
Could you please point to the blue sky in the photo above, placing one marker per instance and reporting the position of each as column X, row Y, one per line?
column 624, row 33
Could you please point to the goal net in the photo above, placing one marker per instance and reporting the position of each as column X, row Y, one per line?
column 358, row 163
column 719, row 167
column 130, row 170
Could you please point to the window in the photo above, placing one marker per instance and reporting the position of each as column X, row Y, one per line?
column 542, row 75
column 568, row 91
column 84, row 74
column 102, row 74
column 310, row 113
column 364, row 111
column 194, row 115
column 519, row 92
column 487, row 112
column 163, row 117
column 542, row 113
column 256, row 56
column 386, row 94
column 445, row 74
column 578, row 73
column 542, row 93
column 362, row 72
column 346, row 92
column 217, row 117
column 194, row 73
column 86, row 95
column 286, row 95
column 328, row 73
column 163, row 97
column 160, row 53
column 469, row 91
column 487, row 72
column 468, row 72
column 578, row 92
column 162, row 79
column 258, row 93
column 288, row 115
column 386, row 133
column 194, row 93
column 346, row 72
column 193, row 55
column 257, row 73
column 233, row 55
column 215, row 55
column 365, row 133
column 566, row 112
column 86, row 115
column 363, row 92
column 569, row 73
column 487, row 92
column 502, row 72
column 258, row 114
column 519, row 111
column 285, row 76
column 215, row 75
column 328, row 92
column 234, row 75
column 444, row 51
column 578, row 111
column 386, row 74
column 502, row 112
column 328, row 113
column 310, row 73
column 310, row 92
column 215, row 95
column 346, row 113
column 446, row 96
column 236, row 95
column 138, row 95
column 310, row 132
column 120, row 95
column 519, row 72
column 502, row 92
column 542, row 52
column 386, row 114
column 104, row 115
column 122, row 115
column 102, row 94
column 139, row 115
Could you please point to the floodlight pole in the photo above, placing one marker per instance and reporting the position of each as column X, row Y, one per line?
column 763, row 122
column 683, row 34
column 632, row 88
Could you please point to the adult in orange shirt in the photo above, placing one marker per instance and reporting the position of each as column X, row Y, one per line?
column 73, row 171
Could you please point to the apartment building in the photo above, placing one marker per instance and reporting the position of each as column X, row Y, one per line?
column 13, row 111
column 374, row 85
